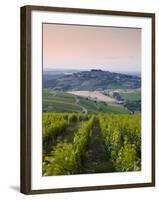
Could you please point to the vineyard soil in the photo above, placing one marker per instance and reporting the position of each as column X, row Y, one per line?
column 84, row 144
column 97, row 158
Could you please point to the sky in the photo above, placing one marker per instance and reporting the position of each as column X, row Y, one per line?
column 90, row 47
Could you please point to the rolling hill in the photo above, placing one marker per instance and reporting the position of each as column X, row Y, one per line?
column 90, row 80
column 58, row 101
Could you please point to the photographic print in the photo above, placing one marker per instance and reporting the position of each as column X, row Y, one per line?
column 87, row 99
column 91, row 99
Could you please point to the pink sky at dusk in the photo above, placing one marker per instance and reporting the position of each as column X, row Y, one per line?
column 87, row 47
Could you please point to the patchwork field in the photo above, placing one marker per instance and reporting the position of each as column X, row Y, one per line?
column 94, row 95
column 58, row 101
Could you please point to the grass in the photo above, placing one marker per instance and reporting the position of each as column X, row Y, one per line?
column 132, row 96
column 60, row 106
column 88, row 104
column 96, row 107
column 58, row 101
column 58, row 95
column 114, row 109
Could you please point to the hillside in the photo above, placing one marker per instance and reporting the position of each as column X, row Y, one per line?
column 90, row 80
column 58, row 101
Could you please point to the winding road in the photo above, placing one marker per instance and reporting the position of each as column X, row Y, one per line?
column 83, row 109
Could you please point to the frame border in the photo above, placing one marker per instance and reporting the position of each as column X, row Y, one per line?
column 25, row 95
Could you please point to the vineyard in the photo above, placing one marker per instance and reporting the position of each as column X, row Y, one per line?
column 83, row 143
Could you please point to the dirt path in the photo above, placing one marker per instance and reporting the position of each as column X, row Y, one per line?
column 84, row 110
column 97, row 158
column 68, row 135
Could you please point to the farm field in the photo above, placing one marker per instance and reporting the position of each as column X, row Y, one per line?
column 132, row 100
column 131, row 96
column 95, row 95
column 76, row 143
column 59, row 101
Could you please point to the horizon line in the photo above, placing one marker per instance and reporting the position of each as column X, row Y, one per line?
column 86, row 69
